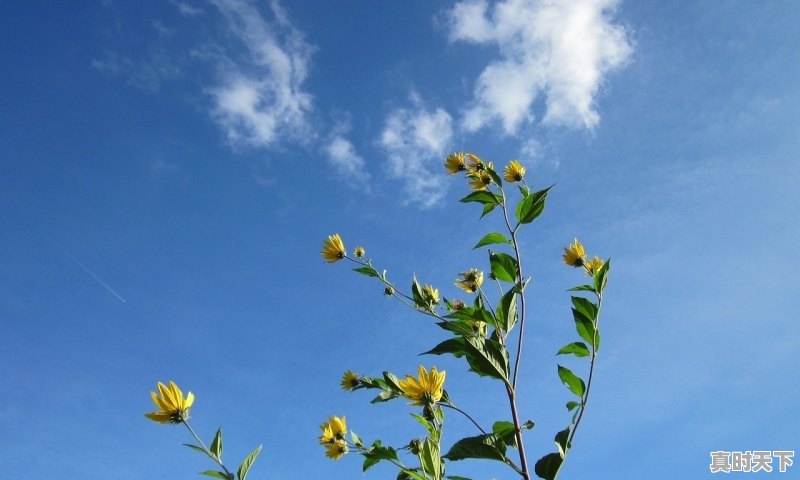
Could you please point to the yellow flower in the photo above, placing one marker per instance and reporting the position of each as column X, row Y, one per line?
column 593, row 265
column 480, row 180
column 359, row 252
column 514, row 172
column 470, row 281
column 350, row 380
column 430, row 294
column 574, row 254
column 333, row 249
column 475, row 163
column 427, row 389
column 172, row 406
column 455, row 163
column 333, row 430
column 336, row 450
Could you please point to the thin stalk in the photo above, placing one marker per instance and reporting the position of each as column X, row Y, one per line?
column 208, row 452
column 585, row 398
column 453, row 407
column 523, row 461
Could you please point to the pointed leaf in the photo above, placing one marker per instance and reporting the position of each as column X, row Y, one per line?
column 572, row 381
column 579, row 349
column 504, row 267
column 530, row 207
column 490, row 447
column 215, row 474
column 368, row 271
column 548, row 466
column 216, row 445
column 247, row 463
column 492, row 238
column 507, row 310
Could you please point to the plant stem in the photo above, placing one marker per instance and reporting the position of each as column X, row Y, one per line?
column 451, row 406
column 585, row 398
column 523, row 462
column 208, row 452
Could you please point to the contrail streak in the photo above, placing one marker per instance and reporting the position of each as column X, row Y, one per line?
column 85, row 268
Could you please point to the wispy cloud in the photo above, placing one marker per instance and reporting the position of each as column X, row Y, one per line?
column 187, row 9
column 559, row 49
column 415, row 140
column 349, row 164
column 261, row 99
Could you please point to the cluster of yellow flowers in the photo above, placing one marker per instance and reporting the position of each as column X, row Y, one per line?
column 478, row 171
column 333, row 433
column 333, row 249
column 575, row 256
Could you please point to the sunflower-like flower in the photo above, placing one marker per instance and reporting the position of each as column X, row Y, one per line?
column 359, row 252
column 479, row 180
column 350, row 381
column 333, row 249
column 333, row 430
column 430, row 294
column 427, row 389
column 470, row 281
column 455, row 163
column 514, row 172
column 336, row 450
column 172, row 406
column 574, row 254
column 475, row 164
column 593, row 265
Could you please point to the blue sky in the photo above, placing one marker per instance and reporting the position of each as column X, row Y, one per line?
column 190, row 157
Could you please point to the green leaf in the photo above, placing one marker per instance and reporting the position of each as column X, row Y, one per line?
column 572, row 381
column 483, row 196
column 215, row 474
column 505, row 431
column 487, row 209
column 356, row 439
column 585, row 328
column 216, row 445
column 507, row 310
column 459, row 328
column 430, row 427
column 407, row 474
column 247, row 463
column 430, row 459
column 376, row 453
column 572, row 405
column 582, row 288
column 601, row 276
column 504, row 266
column 454, row 345
column 492, row 238
column 579, row 349
column 495, row 177
column 487, row 357
column 525, row 191
column 490, row 447
column 196, row 448
column 385, row 396
column 368, row 271
column 454, row 477
column 416, row 293
column 548, row 466
column 586, row 307
column 530, row 207
column 392, row 381
column 562, row 442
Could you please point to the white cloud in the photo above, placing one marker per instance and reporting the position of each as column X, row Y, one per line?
column 415, row 140
column 347, row 162
column 559, row 49
column 261, row 100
